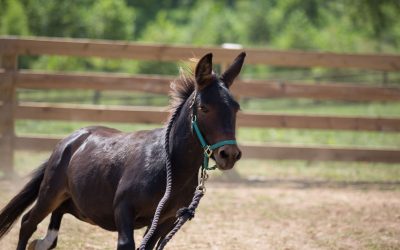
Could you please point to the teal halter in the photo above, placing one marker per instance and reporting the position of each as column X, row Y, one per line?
column 208, row 149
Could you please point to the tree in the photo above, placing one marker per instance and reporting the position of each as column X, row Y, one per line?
column 111, row 19
column 13, row 19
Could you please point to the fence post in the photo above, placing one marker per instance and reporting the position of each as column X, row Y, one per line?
column 9, row 101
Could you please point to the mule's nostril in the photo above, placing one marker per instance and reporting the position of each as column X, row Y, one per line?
column 223, row 154
column 239, row 155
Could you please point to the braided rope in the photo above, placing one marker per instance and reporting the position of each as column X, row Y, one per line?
column 168, row 188
column 183, row 214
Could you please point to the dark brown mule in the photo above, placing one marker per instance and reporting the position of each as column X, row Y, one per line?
column 115, row 180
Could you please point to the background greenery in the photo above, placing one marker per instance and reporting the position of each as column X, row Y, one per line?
column 337, row 25
column 367, row 26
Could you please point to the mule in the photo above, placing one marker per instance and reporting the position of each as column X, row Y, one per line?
column 115, row 180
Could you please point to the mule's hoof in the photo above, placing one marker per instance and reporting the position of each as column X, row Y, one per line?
column 32, row 245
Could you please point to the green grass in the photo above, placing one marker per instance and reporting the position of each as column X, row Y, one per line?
column 323, row 137
column 288, row 136
column 26, row 161
column 66, row 127
column 89, row 97
column 324, row 171
column 303, row 106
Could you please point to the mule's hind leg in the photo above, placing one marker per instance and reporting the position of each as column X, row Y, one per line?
column 50, row 240
column 44, row 205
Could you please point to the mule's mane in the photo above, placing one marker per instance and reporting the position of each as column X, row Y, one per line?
column 181, row 89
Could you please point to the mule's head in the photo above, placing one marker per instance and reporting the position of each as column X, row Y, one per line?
column 216, row 108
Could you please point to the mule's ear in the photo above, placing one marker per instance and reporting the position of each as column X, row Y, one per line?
column 233, row 71
column 203, row 72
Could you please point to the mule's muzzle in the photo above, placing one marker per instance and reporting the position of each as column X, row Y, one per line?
column 226, row 156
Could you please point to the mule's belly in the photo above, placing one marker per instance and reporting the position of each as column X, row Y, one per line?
column 93, row 193
column 103, row 219
column 94, row 207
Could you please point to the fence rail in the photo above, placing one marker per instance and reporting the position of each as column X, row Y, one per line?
column 260, row 151
column 164, row 52
column 243, row 88
column 124, row 114
column 12, row 78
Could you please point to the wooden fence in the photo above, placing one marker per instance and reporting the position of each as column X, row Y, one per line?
column 12, row 78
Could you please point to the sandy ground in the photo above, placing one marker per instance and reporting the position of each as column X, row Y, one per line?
column 261, row 216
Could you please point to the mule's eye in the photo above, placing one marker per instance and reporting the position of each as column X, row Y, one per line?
column 203, row 108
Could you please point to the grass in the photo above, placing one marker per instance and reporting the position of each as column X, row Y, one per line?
column 90, row 97
column 305, row 106
column 267, row 135
column 65, row 128
column 319, row 171
column 310, row 137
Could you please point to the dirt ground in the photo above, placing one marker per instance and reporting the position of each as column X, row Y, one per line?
column 269, row 215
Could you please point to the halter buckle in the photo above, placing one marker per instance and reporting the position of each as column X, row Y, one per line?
column 208, row 151
column 202, row 181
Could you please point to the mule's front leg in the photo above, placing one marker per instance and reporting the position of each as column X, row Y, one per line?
column 161, row 231
column 124, row 221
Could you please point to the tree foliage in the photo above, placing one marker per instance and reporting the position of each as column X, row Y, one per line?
column 337, row 25
column 13, row 19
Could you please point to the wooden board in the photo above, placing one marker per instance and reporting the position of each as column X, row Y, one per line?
column 320, row 153
column 7, row 110
column 93, row 81
column 265, row 120
column 164, row 52
column 97, row 113
column 316, row 91
column 249, row 88
column 277, row 152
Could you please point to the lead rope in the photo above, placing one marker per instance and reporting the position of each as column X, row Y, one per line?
column 168, row 188
column 187, row 213
column 183, row 214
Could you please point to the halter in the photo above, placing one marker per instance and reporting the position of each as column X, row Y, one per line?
column 208, row 149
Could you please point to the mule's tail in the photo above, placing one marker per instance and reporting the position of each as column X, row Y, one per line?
column 10, row 213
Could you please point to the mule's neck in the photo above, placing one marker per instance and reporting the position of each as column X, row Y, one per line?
column 186, row 152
